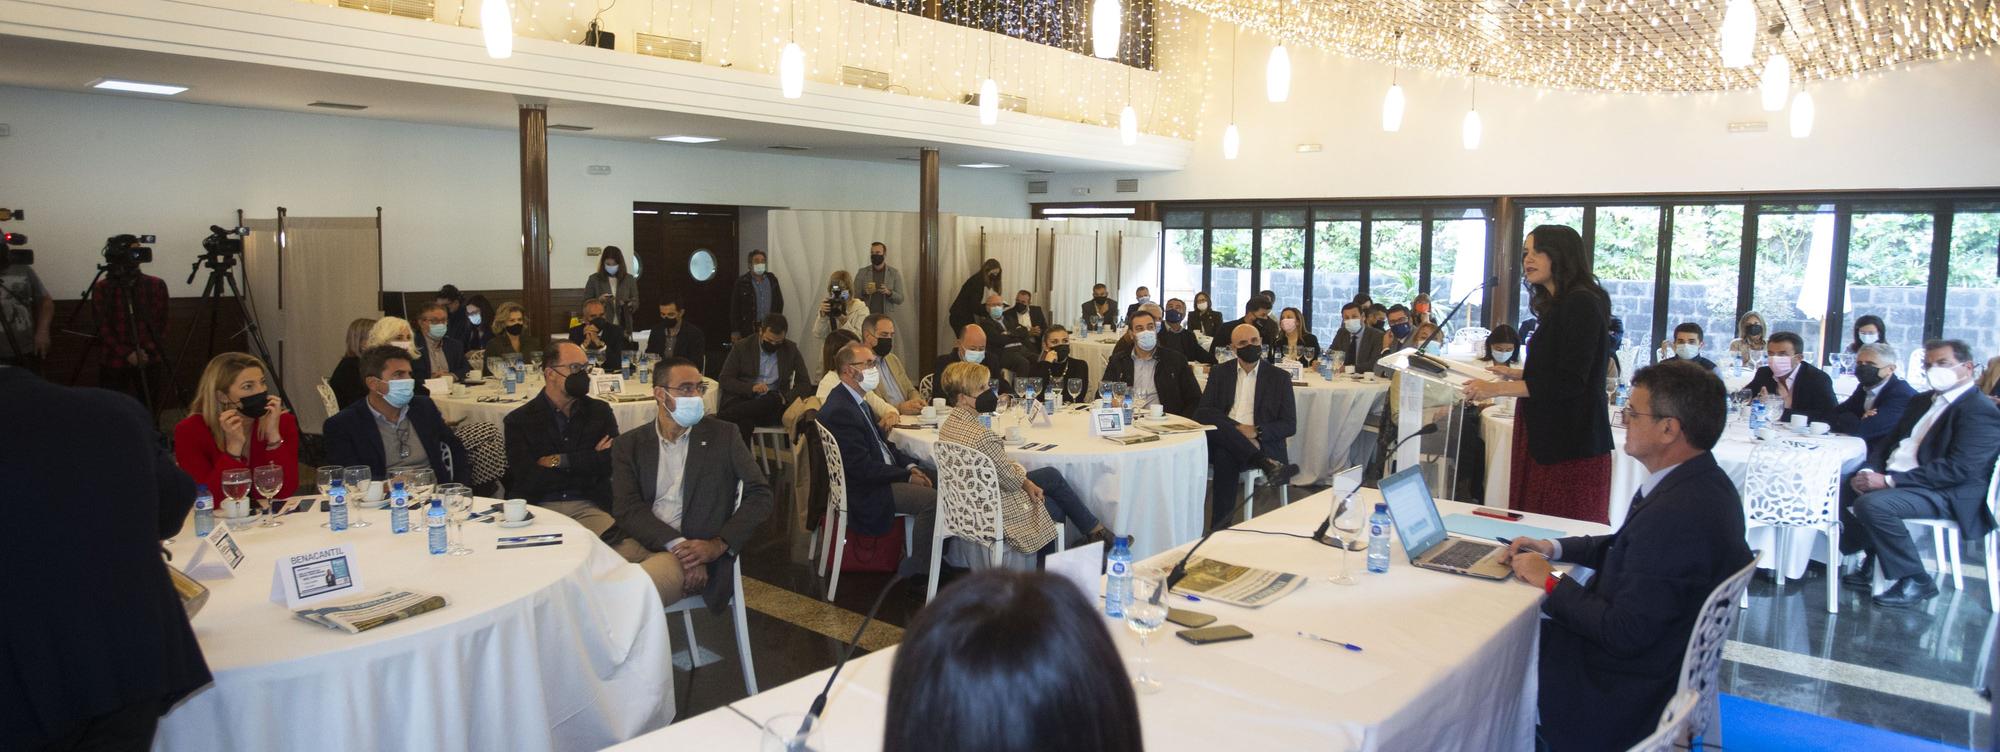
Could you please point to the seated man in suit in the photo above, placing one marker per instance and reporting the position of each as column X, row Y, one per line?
column 1935, row 465
column 1176, row 336
column 435, row 345
column 676, row 337
column 1402, row 330
column 972, row 348
column 878, row 334
column 761, row 376
column 1807, row 390
column 1688, row 343
column 882, row 481
column 1056, row 366
column 1156, row 374
column 1611, row 648
column 1003, row 349
column 558, row 444
column 1251, row 402
column 1359, row 344
column 1100, row 309
column 1026, row 322
column 598, row 336
column 1876, row 407
column 393, row 429
column 673, row 492
column 1257, row 313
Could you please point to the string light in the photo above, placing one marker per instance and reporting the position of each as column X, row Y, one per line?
column 1232, row 139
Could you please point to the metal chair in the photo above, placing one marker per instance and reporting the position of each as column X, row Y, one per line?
column 1673, row 726
column 772, row 446
column 1796, row 484
column 969, row 508
column 1702, row 663
column 327, row 399
column 687, row 606
column 836, row 509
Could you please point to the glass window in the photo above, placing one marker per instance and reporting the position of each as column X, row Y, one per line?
column 1708, row 247
column 1536, row 216
column 1182, row 266
column 1972, row 294
column 1395, row 255
column 1627, row 260
column 1458, row 262
column 1888, row 273
column 1282, row 267
column 1229, row 269
column 1336, row 270
column 1794, row 258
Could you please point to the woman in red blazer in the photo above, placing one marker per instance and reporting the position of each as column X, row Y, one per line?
column 235, row 422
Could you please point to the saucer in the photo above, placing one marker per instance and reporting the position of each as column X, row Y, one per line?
column 521, row 523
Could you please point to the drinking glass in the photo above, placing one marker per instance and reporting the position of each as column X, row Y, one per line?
column 1118, row 392
column 269, row 479
column 1349, row 522
column 419, row 483
column 357, row 479
column 781, row 734
column 1144, row 615
column 1309, row 354
column 535, row 359
column 457, row 505
column 1104, row 390
column 1074, row 387
column 236, row 485
column 326, row 475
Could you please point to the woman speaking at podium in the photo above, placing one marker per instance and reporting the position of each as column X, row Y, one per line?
column 1562, row 429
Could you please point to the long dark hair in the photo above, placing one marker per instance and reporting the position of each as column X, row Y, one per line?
column 612, row 255
column 1502, row 334
column 1881, row 331
column 990, row 271
column 1569, row 269
column 1008, row 661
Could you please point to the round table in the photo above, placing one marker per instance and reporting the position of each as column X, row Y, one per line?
column 552, row 647
column 1095, row 352
column 1331, row 415
column 465, row 402
column 1153, row 491
column 1732, row 453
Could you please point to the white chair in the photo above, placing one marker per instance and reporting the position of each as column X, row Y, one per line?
column 1945, row 543
column 1673, row 726
column 1249, row 482
column 968, row 504
column 687, row 606
column 772, row 446
column 1796, row 484
column 1702, row 663
column 924, row 387
column 836, row 510
column 327, row 398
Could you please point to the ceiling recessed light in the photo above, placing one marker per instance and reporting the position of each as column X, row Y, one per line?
column 784, row 147
column 568, row 127
column 1036, row 171
column 983, row 166
column 687, row 139
column 337, row 105
column 910, row 159
column 139, row 87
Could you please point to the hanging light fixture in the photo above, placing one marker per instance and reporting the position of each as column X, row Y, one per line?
column 496, row 22
column 989, row 91
column 1278, row 75
column 1776, row 84
column 1471, row 131
column 792, row 60
column 1739, row 33
column 1802, row 114
column 1106, row 21
column 1128, row 118
column 1392, row 102
column 1232, row 140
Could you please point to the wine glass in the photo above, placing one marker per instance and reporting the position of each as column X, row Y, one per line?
column 1104, row 391
column 1309, row 355
column 1144, row 615
column 1074, row 387
column 236, row 487
column 325, row 475
column 788, row 732
column 419, row 483
column 269, row 479
column 358, row 478
column 457, row 506
column 1349, row 522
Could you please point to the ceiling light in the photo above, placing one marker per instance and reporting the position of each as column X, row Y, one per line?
column 1089, row 210
column 1128, row 126
column 688, row 139
column 1739, row 33
column 568, row 127
column 138, row 87
column 1039, row 171
column 1310, row 148
column 1776, row 84
column 496, row 22
column 1278, row 75
column 792, row 70
column 1106, row 20
column 1232, row 141
column 1802, row 115
column 1392, row 109
column 1471, row 131
column 337, row 106
column 989, row 102
column 983, row 166
column 786, row 147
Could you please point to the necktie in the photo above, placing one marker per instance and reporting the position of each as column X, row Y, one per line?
column 1638, row 499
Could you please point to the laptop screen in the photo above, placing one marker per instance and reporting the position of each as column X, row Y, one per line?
column 1410, row 505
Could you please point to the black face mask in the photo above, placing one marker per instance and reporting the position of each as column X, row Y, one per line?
column 670, row 321
column 987, row 401
column 253, row 406
column 1062, row 351
column 1249, row 353
column 1754, row 330
column 1868, row 375
column 875, row 259
column 883, row 346
column 771, row 347
column 577, row 385
column 1100, row 299
column 1020, row 307
column 601, row 323
column 516, row 329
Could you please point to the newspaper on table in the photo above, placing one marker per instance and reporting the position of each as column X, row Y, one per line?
column 371, row 611
column 1172, row 426
column 1236, row 585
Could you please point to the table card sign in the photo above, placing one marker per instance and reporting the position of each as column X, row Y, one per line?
column 1037, row 416
column 1292, row 369
column 217, row 556
column 315, row 575
column 1082, row 566
column 607, row 385
column 1107, row 421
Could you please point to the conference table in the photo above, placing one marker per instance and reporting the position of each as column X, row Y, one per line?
column 1448, row 662
column 561, row 647
column 490, row 402
column 1153, row 491
column 1095, row 352
column 1331, row 415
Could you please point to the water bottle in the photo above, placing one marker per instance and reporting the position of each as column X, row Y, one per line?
column 1378, row 540
column 1054, row 400
column 336, row 507
column 1624, row 393
column 1760, row 415
column 399, row 509
column 204, row 510
column 1118, row 579
column 434, row 522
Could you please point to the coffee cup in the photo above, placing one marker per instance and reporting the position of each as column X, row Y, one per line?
column 1800, row 423
column 1014, row 435
column 930, row 411
column 375, row 491
column 938, row 403
column 1157, row 412
column 516, row 510
column 1766, row 433
column 1820, row 427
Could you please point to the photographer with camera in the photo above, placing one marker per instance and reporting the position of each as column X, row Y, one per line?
column 25, row 307
column 842, row 309
column 130, row 308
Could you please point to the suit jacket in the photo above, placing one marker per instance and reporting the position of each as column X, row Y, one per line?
column 1705, row 363
column 871, row 506
column 741, row 369
column 499, row 347
column 1364, row 355
column 1172, row 378
column 421, row 367
column 1276, row 411
column 1206, row 322
column 1611, row 649
column 1265, row 328
column 93, row 623
column 352, row 439
column 1037, row 321
column 1185, row 343
column 891, row 368
column 688, row 344
column 1956, row 459
column 1055, row 374
column 1564, row 414
column 615, row 343
column 1812, row 392
column 1088, row 309
column 1889, row 406
column 717, row 460
column 743, row 304
column 890, row 277
column 532, row 434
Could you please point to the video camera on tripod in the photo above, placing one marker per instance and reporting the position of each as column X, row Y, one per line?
column 11, row 242
column 219, row 250
column 122, row 256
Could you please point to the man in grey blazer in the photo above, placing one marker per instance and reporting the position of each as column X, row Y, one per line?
column 673, row 491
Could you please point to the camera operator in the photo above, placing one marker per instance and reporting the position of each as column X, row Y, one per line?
column 130, row 308
column 25, row 312
column 842, row 309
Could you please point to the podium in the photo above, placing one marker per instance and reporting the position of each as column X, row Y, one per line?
column 1420, row 397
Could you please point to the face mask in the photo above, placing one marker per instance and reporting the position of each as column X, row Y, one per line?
column 875, row 259
column 601, row 323
column 1201, row 305
column 1249, row 353
column 1503, row 357
column 1423, row 310
column 1147, row 340
column 516, row 329
column 400, row 392
column 437, row 330
column 882, row 347
column 987, row 401
column 1869, row 338
column 253, row 406
column 1400, row 330
column 1289, row 325
column 1145, row 300
column 474, row 318
column 1020, row 306
column 1942, row 378
column 1781, row 365
column 688, row 411
column 993, row 280
column 1353, row 326
column 995, row 310
column 758, row 268
column 1433, row 348
column 1175, row 316
column 771, row 347
column 409, row 346
column 1062, row 351
column 974, row 356
column 870, row 379
column 610, row 268
column 1100, row 299
column 670, row 321
column 577, row 385
column 1687, row 352
column 1753, row 330
column 1868, row 375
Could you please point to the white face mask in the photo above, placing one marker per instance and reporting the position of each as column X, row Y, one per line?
column 1201, row 305
column 1351, row 325
column 1503, row 357
column 870, row 379
column 1687, row 351
column 1941, row 378
column 1289, row 325
column 406, row 344
column 1869, row 338
column 758, row 268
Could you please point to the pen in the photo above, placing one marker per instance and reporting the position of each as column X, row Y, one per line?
column 525, row 538
column 1189, row 597
column 1348, row 645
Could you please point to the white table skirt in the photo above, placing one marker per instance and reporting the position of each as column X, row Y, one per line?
column 1448, row 661
column 1331, row 415
column 1732, row 453
column 550, row 648
column 1095, row 352
column 466, row 405
column 1153, row 491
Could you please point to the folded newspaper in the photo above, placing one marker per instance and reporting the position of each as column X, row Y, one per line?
column 1170, row 426
column 1236, row 585
column 368, row 612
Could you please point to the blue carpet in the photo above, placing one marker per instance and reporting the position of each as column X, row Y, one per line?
column 1752, row 726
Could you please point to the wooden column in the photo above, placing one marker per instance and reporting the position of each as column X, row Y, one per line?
column 929, row 241
column 535, row 216
column 1503, row 260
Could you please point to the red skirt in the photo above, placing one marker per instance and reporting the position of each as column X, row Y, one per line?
column 1578, row 489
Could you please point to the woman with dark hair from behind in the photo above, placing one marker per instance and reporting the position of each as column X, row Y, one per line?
column 1005, row 661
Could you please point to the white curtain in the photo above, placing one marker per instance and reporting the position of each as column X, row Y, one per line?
column 1077, row 267
column 1016, row 254
column 326, row 272
column 807, row 246
column 1139, row 266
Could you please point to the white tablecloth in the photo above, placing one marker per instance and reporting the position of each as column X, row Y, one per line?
column 1732, row 453
column 465, row 404
column 1153, row 491
column 1095, row 352
column 1448, row 661
column 1331, row 415
column 550, row 648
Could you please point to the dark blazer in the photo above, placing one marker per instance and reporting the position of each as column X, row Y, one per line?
column 1812, row 392
column 1011, row 322
column 352, row 439
column 1306, row 339
column 1060, row 371
column 1185, row 343
column 615, row 343
column 1362, row 357
column 1266, row 328
column 1179, row 392
column 970, row 304
column 1276, row 412
column 743, row 304
column 499, row 347
column 1611, row 650
column 1564, row 413
column 992, row 363
column 1089, row 309
column 421, row 367
column 93, row 624
column 473, row 337
column 346, row 381
column 1889, row 407
column 532, row 434
column 1206, row 322
column 871, row 506
column 688, row 344
column 741, row 369
column 1956, row 459
column 717, row 460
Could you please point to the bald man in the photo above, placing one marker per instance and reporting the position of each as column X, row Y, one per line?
column 971, row 348
column 1250, row 403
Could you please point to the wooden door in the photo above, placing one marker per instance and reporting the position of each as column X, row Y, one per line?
column 673, row 242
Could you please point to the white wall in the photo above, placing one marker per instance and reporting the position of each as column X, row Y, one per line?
column 1928, row 127
column 88, row 166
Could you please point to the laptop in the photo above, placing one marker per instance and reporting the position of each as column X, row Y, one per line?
column 1424, row 537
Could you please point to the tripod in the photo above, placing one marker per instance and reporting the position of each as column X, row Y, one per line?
column 125, row 277
column 221, row 265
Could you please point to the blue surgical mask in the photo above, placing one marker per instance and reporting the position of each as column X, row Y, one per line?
column 1353, row 326
column 476, row 319
column 400, row 392
column 1401, row 331
column 437, row 330
column 1433, row 348
column 1503, row 357
column 688, row 411
column 610, row 268
column 1147, row 340
column 758, row 268
column 975, row 356
column 995, row 310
